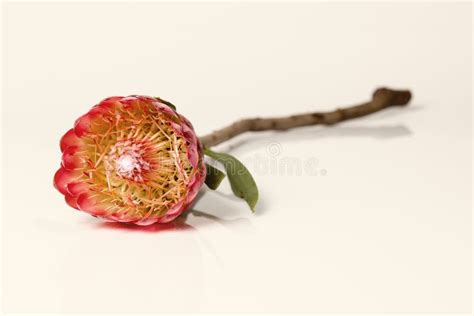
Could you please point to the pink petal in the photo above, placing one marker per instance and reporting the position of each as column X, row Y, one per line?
column 83, row 125
column 76, row 188
column 69, row 139
column 176, row 209
column 89, row 202
column 178, row 128
column 63, row 177
column 164, row 108
column 110, row 100
column 125, row 215
column 146, row 221
column 169, row 218
column 193, row 190
column 194, row 153
column 71, row 159
column 130, row 102
column 71, row 201
column 145, row 98
column 92, row 122
column 109, row 105
column 189, row 134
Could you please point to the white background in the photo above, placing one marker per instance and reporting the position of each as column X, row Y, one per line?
column 384, row 225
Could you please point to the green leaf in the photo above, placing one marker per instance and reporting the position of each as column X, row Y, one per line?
column 171, row 105
column 214, row 177
column 241, row 181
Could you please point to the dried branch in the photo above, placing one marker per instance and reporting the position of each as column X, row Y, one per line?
column 381, row 99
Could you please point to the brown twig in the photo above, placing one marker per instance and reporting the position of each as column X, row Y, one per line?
column 381, row 99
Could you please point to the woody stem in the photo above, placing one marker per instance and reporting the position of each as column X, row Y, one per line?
column 382, row 98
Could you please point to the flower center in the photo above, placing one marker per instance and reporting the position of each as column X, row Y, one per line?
column 126, row 160
column 126, row 165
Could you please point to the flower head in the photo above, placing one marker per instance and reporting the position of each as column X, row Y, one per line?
column 131, row 159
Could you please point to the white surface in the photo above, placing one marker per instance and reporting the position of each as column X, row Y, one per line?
column 384, row 225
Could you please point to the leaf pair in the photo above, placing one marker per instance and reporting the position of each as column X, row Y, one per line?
column 241, row 181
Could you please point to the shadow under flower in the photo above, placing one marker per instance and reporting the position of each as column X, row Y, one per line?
column 231, row 224
column 177, row 225
column 186, row 222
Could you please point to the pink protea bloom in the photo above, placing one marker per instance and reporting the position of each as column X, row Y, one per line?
column 131, row 159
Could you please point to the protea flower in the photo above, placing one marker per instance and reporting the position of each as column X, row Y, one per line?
column 131, row 159
column 136, row 160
